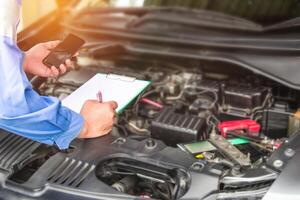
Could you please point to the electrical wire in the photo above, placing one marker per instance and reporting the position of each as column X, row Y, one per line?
column 175, row 97
column 152, row 103
column 137, row 128
column 215, row 95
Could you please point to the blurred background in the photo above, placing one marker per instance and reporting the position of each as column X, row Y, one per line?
column 263, row 11
column 33, row 9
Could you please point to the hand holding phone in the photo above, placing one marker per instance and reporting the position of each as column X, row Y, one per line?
column 63, row 51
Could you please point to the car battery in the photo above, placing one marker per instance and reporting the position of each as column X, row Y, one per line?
column 174, row 128
column 275, row 122
column 244, row 97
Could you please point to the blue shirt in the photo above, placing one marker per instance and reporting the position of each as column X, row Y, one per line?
column 22, row 110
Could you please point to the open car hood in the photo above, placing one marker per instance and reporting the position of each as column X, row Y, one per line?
column 271, row 51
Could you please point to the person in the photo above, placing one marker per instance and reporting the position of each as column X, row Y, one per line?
column 22, row 110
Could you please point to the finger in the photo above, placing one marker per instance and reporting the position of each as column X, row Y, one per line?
column 115, row 114
column 107, row 131
column 51, row 44
column 113, row 104
column 48, row 72
column 63, row 69
column 54, row 71
column 69, row 64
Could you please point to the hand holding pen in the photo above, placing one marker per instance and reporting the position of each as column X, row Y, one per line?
column 100, row 100
column 98, row 117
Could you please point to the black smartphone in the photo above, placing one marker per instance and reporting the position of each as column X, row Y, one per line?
column 63, row 51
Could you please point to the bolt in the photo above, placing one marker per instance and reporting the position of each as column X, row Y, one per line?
column 150, row 144
column 197, row 166
column 236, row 170
column 277, row 163
column 289, row 152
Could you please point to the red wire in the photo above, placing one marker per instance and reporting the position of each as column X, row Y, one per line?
column 150, row 102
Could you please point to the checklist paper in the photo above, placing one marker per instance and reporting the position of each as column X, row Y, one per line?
column 121, row 89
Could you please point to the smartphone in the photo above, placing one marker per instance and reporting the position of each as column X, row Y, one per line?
column 63, row 51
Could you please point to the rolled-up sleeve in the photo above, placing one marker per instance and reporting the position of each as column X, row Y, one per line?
column 22, row 110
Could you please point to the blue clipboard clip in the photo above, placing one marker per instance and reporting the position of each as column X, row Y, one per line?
column 120, row 77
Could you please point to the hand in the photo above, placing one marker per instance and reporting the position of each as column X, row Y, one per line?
column 99, row 118
column 33, row 61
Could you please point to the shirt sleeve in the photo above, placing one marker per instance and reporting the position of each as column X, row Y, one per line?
column 22, row 110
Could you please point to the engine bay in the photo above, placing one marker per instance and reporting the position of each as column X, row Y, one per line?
column 189, row 123
column 203, row 130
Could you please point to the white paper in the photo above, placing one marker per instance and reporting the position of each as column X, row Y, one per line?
column 121, row 90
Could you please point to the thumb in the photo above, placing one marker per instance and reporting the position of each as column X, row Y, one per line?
column 51, row 44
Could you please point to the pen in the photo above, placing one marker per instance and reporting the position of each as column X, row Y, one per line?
column 99, row 96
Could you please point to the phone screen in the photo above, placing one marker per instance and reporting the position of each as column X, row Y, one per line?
column 63, row 51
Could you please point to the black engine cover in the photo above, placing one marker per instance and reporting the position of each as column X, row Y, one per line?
column 174, row 128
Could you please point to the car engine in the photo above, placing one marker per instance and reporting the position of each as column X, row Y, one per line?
column 213, row 124
column 202, row 130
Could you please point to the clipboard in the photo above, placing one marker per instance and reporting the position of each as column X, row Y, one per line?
column 122, row 89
